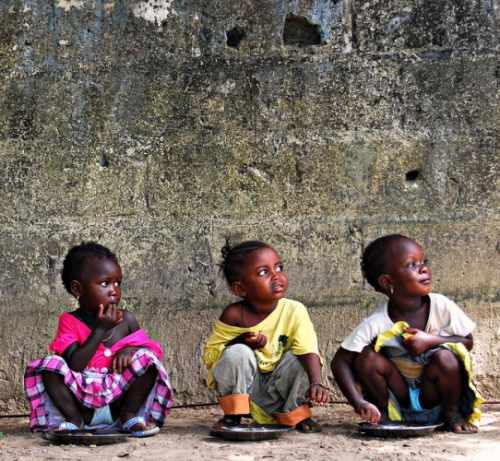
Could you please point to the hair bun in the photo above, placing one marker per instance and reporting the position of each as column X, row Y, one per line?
column 226, row 249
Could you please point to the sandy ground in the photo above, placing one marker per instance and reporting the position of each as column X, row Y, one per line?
column 185, row 437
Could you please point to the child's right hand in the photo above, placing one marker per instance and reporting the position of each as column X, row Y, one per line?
column 109, row 316
column 254, row 340
column 368, row 412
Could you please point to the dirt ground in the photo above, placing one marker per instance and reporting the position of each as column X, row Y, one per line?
column 185, row 437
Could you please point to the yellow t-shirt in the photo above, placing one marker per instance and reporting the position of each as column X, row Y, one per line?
column 288, row 327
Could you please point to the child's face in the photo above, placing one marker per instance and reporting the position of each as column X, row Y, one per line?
column 407, row 267
column 100, row 283
column 263, row 279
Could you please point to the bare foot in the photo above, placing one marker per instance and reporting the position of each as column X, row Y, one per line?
column 455, row 422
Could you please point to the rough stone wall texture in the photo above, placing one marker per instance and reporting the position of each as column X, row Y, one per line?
column 157, row 127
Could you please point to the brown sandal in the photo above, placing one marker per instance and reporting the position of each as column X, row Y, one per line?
column 308, row 426
column 226, row 421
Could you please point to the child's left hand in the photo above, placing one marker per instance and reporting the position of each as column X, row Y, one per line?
column 317, row 395
column 419, row 342
column 122, row 359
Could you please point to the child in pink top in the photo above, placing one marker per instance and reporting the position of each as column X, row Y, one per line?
column 106, row 371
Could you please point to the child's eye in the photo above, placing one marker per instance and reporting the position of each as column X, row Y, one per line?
column 105, row 284
column 279, row 268
column 263, row 272
column 424, row 262
column 117, row 284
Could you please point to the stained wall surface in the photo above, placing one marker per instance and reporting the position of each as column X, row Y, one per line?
column 158, row 127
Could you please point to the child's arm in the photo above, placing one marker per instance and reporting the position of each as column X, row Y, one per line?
column 420, row 341
column 342, row 372
column 316, row 392
column 78, row 356
column 253, row 339
column 123, row 358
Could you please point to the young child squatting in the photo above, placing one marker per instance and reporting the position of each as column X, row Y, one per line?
column 410, row 356
column 263, row 352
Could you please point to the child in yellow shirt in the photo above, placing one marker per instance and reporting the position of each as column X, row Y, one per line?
column 263, row 352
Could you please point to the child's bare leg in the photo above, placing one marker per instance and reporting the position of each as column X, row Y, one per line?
column 65, row 401
column 135, row 396
column 377, row 375
column 442, row 383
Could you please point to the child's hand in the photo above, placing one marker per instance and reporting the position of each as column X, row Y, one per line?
column 254, row 340
column 368, row 412
column 122, row 359
column 419, row 343
column 109, row 316
column 317, row 395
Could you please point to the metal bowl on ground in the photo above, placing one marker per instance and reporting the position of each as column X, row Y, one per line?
column 89, row 436
column 398, row 428
column 252, row 432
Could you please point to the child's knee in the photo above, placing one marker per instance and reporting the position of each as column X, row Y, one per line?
column 368, row 360
column 238, row 355
column 446, row 362
column 290, row 364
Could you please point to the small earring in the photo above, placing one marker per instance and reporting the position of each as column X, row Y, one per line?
column 392, row 289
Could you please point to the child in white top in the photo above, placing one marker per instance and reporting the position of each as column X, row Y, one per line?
column 422, row 368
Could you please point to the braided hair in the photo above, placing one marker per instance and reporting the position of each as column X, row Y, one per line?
column 235, row 257
column 376, row 256
column 77, row 257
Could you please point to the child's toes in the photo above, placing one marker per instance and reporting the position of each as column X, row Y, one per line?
column 465, row 426
column 456, row 423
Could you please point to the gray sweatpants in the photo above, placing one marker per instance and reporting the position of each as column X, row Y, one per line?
column 282, row 390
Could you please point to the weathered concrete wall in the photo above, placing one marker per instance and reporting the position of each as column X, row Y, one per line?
column 157, row 127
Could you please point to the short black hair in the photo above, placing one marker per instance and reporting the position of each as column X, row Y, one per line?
column 375, row 258
column 235, row 257
column 76, row 258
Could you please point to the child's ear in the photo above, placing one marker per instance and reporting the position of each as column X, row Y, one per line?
column 238, row 289
column 385, row 282
column 76, row 288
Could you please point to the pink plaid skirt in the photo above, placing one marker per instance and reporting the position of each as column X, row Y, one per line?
column 96, row 389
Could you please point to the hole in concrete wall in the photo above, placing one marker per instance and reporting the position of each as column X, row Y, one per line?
column 103, row 161
column 299, row 31
column 412, row 175
column 234, row 37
